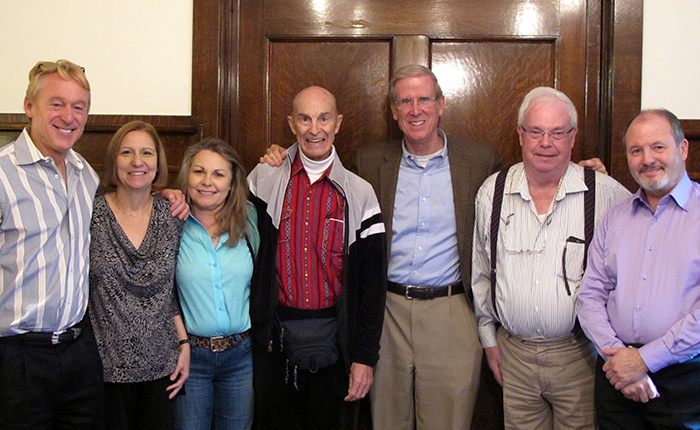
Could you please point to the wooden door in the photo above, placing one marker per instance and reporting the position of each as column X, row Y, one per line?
column 487, row 54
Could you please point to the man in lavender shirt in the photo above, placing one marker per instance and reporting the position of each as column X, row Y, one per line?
column 640, row 296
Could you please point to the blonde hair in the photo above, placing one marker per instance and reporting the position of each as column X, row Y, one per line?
column 65, row 70
column 233, row 216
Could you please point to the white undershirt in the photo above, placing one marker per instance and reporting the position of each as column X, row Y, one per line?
column 316, row 168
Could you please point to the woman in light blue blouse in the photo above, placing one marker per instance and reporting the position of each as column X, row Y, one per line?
column 215, row 265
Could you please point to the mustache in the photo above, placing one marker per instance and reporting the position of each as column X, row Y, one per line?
column 650, row 167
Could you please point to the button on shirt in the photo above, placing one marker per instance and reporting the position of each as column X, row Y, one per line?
column 310, row 249
column 44, row 239
column 424, row 231
column 531, row 296
column 213, row 282
column 642, row 284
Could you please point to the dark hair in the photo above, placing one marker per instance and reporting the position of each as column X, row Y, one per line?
column 110, row 179
column 670, row 117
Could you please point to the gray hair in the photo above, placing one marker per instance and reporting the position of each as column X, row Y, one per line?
column 547, row 93
column 412, row 71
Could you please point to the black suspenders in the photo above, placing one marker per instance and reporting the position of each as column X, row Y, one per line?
column 499, row 188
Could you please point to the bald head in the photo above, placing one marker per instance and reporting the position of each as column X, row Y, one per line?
column 315, row 121
column 318, row 94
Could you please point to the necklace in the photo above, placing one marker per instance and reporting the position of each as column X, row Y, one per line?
column 148, row 208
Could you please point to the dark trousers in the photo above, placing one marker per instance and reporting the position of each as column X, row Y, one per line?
column 45, row 386
column 140, row 405
column 316, row 404
column 677, row 408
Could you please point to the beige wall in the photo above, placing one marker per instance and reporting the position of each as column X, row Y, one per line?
column 671, row 56
column 137, row 53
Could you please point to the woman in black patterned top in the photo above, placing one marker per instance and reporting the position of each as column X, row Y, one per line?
column 133, row 305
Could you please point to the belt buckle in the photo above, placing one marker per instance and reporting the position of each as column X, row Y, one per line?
column 407, row 294
column 215, row 339
column 55, row 337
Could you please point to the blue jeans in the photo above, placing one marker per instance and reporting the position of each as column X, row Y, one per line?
column 219, row 391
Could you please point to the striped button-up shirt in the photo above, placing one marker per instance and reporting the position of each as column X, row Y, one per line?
column 44, row 239
column 531, row 296
column 310, row 246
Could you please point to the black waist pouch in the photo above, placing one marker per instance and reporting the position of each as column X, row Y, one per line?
column 309, row 337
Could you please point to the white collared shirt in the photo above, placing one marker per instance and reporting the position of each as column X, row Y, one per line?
column 531, row 296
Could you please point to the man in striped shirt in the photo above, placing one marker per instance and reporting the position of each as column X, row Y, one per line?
column 51, row 374
column 539, row 354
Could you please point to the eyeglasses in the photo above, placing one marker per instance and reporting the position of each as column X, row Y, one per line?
column 538, row 135
column 423, row 103
column 537, row 248
column 41, row 65
column 570, row 239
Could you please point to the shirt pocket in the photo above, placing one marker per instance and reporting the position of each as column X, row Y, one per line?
column 570, row 261
column 333, row 234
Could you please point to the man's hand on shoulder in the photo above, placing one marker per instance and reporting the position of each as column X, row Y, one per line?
column 361, row 378
column 178, row 205
column 274, row 156
column 594, row 164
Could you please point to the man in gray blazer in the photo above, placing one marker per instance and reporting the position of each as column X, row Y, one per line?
column 430, row 362
column 428, row 373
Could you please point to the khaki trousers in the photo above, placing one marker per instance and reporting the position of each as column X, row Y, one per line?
column 427, row 376
column 548, row 383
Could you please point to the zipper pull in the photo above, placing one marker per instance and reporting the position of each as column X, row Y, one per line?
column 282, row 339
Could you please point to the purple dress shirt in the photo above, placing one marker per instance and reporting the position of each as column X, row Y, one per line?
column 642, row 284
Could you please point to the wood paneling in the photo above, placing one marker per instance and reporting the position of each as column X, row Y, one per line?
column 691, row 128
column 405, row 17
column 622, row 81
column 361, row 72
column 176, row 133
column 484, row 83
column 499, row 50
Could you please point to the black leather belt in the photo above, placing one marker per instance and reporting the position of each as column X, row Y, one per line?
column 217, row 343
column 424, row 293
column 54, row 338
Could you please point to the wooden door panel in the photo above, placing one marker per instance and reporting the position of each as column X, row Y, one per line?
column 486, row 53
column 435, row 17
column 359, row 72
column 484, row 83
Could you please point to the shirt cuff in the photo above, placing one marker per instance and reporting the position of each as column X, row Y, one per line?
column 656, row 356
column 487, row 334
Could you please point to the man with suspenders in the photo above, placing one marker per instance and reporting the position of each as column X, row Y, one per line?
column 534, row 222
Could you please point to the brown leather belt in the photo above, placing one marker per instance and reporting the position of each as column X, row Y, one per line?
column 424, row 293
column 218, row 343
